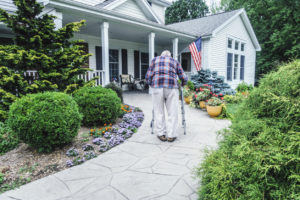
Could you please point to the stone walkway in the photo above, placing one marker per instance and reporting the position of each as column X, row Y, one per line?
column 143, row 168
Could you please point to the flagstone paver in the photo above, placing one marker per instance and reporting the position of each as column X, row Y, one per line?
column 143, row 168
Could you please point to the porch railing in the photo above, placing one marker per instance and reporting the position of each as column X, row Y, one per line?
column 89, row 75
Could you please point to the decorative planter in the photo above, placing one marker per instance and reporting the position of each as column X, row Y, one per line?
column 202, row 104
column 214, row 111
column 188, row 99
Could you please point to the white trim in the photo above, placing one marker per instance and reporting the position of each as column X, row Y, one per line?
column 149, row 9
column 248, row 26
column 117, row 17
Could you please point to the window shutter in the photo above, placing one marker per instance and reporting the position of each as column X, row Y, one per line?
column 242, row 69
column 229, row 66
column 124, row 62
column 99, row 58
column 136, row 64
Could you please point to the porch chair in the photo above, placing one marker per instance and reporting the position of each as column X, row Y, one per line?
column 127, row 79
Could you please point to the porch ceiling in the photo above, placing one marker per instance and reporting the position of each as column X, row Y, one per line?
column 122, row 31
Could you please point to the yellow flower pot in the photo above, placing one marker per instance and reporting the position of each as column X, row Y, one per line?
column 214, row 111
column 202, row 104
column 188, row 99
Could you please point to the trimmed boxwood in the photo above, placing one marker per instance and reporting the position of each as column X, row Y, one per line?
column 259, row 156
column 98, row 105
column 8, row 139
column 117, row 89
column 45, row 120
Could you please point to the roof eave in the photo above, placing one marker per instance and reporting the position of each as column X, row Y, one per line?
column 116, row 16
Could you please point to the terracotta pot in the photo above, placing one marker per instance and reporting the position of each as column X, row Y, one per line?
column 214, row 111
column 187, row 100
column 202, row 104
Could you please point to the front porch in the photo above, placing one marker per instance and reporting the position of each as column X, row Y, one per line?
column 121, row 46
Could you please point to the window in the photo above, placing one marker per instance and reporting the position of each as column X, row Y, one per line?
column 235, row 68
column 186, row 62
column 229, row 66
column 229, row 43
column 242, row 47
column 113, row 64
column 6, row 41
column 236, row 45
column 144, row 64
column 242, row 68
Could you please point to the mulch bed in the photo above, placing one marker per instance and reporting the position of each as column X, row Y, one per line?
column 24, row 164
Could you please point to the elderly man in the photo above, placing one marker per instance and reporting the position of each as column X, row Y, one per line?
column 162, row 78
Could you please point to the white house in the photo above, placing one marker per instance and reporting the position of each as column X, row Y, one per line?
column 124, row 35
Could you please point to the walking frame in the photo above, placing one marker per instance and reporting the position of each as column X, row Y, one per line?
column 182, row 112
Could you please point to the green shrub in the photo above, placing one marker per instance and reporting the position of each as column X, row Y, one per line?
column 259, row 156
column 8, row 139
column 237, row 98
column 117, row 89
column 98, row 105
column 191, row 86
column 1, row 178
column 45, row 120
column 243, row 87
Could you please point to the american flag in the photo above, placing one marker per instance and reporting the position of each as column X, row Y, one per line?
column 195, row 49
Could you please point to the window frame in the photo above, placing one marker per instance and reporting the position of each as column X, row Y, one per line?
column 235, row 72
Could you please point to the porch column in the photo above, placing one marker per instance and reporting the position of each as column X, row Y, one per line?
column 105, row 51
column 151, row 46
column 175, row 48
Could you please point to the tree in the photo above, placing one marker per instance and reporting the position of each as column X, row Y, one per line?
column 40, row 47
column 277, row 26
column 185, row 9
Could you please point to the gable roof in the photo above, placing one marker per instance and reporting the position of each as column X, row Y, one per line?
column 210, row 25
column 204, row 26
column 143, row 5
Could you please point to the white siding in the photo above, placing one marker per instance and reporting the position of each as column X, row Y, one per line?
column 90, row 2
column 159, row 11
column 132, row 9
column 218, row 51
column 115, row 44
column 7, row 5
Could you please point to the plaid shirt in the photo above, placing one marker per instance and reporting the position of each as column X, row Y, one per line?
column 163, row 72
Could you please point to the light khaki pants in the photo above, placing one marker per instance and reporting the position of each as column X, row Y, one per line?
column 162, row 97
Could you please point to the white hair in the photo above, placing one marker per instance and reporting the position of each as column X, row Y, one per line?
column 166, row 53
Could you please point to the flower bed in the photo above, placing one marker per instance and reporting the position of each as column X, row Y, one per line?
column 23, row 164
column 109, row 136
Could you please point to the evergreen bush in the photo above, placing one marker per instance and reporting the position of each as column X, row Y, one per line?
column 206, row 77
column 45, row 120
column 8, row 139
column 117, row 89
column 243, row 87
column 98, row 105
column 259, row 156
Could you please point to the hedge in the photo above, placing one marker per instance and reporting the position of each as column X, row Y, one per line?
column 259, row 156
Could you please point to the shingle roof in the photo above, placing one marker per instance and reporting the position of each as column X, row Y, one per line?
column 205, row 25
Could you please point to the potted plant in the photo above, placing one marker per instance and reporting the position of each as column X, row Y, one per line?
column 187, row 95
column 214, row 107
